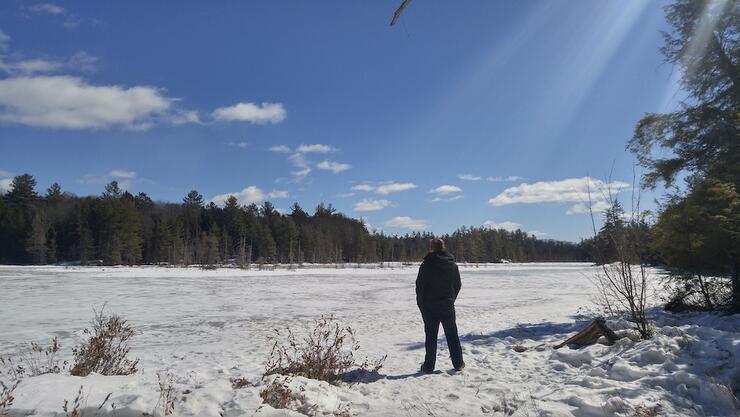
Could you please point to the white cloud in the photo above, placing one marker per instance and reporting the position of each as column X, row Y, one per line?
column 510, row 178
column 6, row 178
column 598, row 206
column 453, row 198
column 405, row 222
column 277, row 194
column 335, row 167
column 315, row 148
column 510, row 226
column 468, row 177
column 363, row 187
column 120, row 173
column 185, row 116
column 79, row 62
column 124, row 178
column 446, row 189
column 250, row 112
column 567, row 190
column 5, row 185
column 249, row 195
column 303, row 165
column 371, row 205
column 386, row 189
column 4, row 40
column 280, row 149
column 47, row 8
column 31, row 66
column 66, row 102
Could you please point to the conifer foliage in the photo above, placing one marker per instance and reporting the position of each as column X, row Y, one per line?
column 119, row 228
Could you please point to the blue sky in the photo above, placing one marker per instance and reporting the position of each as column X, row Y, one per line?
column 464, row 113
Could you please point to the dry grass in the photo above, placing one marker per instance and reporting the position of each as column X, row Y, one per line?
column 106, row 350
column 6, row 396
column 279, row 395
column 326, row 353
column 240, row 382
column 36, row 360
column 166, row 403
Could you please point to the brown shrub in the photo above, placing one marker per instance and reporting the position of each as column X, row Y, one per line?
column 327, row 353
column 278, row 393
column 106, row 350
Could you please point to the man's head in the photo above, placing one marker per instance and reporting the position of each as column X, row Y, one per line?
column 436, row 245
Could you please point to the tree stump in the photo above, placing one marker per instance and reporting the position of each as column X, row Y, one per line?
column 591, row 334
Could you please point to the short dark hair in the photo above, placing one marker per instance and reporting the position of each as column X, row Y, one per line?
column 436, row 245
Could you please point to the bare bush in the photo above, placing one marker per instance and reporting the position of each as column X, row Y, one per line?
column 326, row 353
column 106, row 350
column 279, row 395
column 620, row 247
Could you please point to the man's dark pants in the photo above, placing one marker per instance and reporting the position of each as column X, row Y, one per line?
column 433, row 316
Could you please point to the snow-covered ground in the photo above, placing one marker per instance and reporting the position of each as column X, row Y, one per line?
column 206, row 328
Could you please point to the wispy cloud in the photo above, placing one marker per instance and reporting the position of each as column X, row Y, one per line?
column 510, row 178
column 469, row 177
column 384, row 189
column 405, row 222
column 569, row 190
column 240, row 145
column 47, row 8
column 280, row 149
column 249, row 195
column 335, row 167
column 315, row 148
column 125, row 178
column 251, row 112
column 120, row 173
column 598, row 206
column 446, row 189
column 70, row 20
column 511, row 227
column 451, row 198
column 15, row 64
column 371, row 205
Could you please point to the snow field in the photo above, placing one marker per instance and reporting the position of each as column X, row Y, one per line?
column 206, row 328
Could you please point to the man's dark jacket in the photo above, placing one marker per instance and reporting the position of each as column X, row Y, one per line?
column 438, row 282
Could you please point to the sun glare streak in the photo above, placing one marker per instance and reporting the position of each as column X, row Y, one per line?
column 574, row 79
column 705, row 29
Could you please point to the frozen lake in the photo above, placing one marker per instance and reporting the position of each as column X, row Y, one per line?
column 207, row 327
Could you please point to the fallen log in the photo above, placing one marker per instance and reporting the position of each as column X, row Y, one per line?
column 591, row 334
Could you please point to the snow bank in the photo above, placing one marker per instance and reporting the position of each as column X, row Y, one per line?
column 207, row 328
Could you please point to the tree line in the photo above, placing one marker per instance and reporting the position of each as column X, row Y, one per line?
column 694, row 151
column 118, row 227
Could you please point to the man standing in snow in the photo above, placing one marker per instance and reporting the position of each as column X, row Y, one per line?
column 437, row 286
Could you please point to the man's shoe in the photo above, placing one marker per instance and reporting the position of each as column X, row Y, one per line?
column 426, row 370
column 460, row 367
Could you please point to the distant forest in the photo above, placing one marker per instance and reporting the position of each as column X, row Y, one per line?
column 118, row 227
